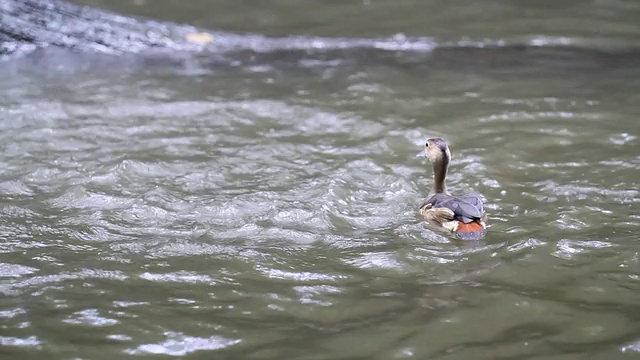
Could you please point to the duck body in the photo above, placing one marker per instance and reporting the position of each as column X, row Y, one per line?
column 462, row 214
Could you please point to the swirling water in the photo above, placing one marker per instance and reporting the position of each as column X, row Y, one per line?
column 263, row 206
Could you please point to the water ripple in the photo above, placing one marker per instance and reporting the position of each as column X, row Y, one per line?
column 249, row 211
column 178, row 344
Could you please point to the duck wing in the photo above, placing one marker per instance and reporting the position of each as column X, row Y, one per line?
column 466, row 208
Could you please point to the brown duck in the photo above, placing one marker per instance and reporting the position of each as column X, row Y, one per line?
column 461, row 214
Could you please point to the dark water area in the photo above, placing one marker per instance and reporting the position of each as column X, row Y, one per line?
column 261, row 203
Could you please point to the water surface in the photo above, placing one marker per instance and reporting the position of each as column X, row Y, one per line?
column 263, row 205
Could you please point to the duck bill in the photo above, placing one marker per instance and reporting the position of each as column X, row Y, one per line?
column 421, row 154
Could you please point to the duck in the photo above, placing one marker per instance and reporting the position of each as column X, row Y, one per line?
column 463, row 214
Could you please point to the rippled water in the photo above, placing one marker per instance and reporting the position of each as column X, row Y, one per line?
column 264, row 206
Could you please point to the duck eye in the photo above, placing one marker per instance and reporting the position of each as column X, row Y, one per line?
column 427, row 144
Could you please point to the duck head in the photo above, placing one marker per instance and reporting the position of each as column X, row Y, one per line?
column 436, row 150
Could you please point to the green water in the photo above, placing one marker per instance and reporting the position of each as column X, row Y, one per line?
column 263, row 205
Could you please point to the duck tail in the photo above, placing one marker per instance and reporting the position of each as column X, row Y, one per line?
column 474, row 230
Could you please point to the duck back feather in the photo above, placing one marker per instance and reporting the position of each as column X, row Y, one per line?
column 466, row 208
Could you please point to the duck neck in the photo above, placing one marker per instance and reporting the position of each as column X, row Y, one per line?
column 440, row 175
